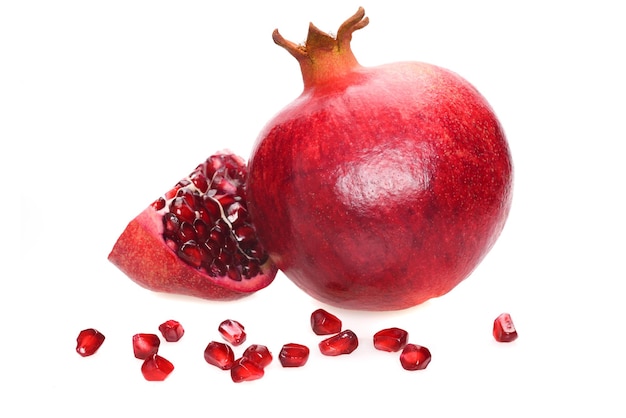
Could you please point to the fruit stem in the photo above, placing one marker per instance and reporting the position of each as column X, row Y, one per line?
column 323, row 57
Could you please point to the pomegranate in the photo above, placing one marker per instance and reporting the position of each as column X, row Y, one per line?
column 198, row 238
column 378, row 187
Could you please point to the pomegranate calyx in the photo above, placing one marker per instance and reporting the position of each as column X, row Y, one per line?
column 324, row 57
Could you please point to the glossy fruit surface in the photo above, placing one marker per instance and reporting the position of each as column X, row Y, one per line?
column 415, row 357
column 503, row 328
column 145, row 345
column 343, row 343
column 390, row 339
column 156, row 368
column 172, row 330
column 219, row 355
column 325, row 323
column 293, row 355
column 198, row 239
column 379, row 187
column 232, row 331
column 89, row 341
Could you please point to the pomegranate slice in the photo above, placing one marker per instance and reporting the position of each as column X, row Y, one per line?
column 293, row 355
column 198, row 238
column 343, row 343
column 156, row 368
column 244, row 370
column 232, row 331
column 145, row 345
column 415, row 357
column 88, row 342
column 172, row 330
column 258, row 354
column 220, row 355
column 325, row 323
column 503, row 329
column 390, row 339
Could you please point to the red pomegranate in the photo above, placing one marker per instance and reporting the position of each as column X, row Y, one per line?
column 379, row 188
column 198, row 238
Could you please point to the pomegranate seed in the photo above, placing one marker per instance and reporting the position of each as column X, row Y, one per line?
column 503, row 329
column 414, row 357
column 390, row 339
column 156, row 368
column 145, row 345
column 245, row 370
column 172, row 330
column 232, row 331
column 88, row 342
column 258, row 354
column 325, row 323
column 343, row 343
column 293, row 355
column 219, row 355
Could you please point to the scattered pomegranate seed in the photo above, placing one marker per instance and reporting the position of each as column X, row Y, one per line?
column 415, row 357
column 245, row 370
column 390, row 339
column 88, row 342
column 343, row 343
column 325, row 323
column 145, row 345
column 232, row 331
column 258, row 354
column 503, row 329
column 293, row 355
column 219, row 355
column 172, row 330
column 156, row 368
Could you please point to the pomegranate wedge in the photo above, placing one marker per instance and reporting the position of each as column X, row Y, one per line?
column 198, row 239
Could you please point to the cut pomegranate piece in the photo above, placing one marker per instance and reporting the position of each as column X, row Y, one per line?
column 220, row 355
column 415, row 357
column 156, row 368
column 325, row 323
column 172, row 330
column 343, row 343
column 293, row 355
column 197, row 239
column 258, row 354
column 232, row 331
column 88, row 342
column 245, row 370
column 145, row 345
column 390, row 339
column 503, row 329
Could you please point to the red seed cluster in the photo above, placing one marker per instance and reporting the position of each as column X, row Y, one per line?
column 206, row 220
column 255, row 358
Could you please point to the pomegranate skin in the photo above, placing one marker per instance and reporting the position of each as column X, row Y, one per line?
column 380, row 187
column 141, row 253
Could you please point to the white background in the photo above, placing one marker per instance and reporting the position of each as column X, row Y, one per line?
column 110, row 103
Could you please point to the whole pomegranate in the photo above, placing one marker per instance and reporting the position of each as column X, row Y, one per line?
column 379, row 188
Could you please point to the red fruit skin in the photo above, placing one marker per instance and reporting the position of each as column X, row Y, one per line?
column 141, row 253
column 382, row 187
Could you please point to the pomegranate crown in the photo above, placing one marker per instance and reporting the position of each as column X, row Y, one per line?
column 322, row 56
